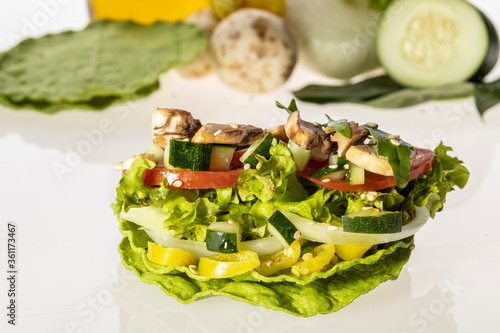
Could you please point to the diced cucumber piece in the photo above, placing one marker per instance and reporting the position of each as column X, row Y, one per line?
column 260, row 147
column 223, row 237
column 187, row 155
column 301, row 155
column 281, row 228
column 333, row 171
column 157, row 151
column 221, row 157
column 373, row 221
column 356, row 174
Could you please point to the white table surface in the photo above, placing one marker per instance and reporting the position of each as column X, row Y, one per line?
column 70, row 278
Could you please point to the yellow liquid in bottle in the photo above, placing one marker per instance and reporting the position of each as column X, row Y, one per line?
column 146, row 11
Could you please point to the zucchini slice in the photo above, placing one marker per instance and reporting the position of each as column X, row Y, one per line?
column 356, row 174
column 223, row 237
column 187, row 155
column 429, row 43
column 221, row 157
column 280, row 227
column 373, row 221
column 334, row 171
column 260, row 147
column 301, row 155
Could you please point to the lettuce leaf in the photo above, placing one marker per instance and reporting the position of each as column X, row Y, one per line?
column 320, row 293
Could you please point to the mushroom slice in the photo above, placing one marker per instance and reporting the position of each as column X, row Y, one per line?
column 307, row 135
column 126, row 164
column 173, row 124
column 232, row 134
column 279, row 133
column 343, row 143
column 366, row 157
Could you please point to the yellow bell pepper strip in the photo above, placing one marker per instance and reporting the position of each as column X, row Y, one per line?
column 277, row 7
column 280, row 260
column 314, row 261
column 351, row 252
column 224, row 265
column 169, row 256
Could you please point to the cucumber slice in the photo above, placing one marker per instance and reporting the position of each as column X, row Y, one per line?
column 187, row 155
column 373, row 221
column 429, row 43
column 280, row 227
column 356, row 174
column 260, row 147
column 223, row 237
column 157, row 151
column 301, row 155
column 221, row 157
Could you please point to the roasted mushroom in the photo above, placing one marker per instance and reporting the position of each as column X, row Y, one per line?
column 173, row 124
column 232, row 134
column 307, row 135
column 343, row 143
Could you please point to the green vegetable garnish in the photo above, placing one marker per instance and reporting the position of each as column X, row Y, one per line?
column 397, row 152
column 292, row 107
column 340, row 126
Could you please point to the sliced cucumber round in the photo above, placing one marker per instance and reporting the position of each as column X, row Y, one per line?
column 429, row 43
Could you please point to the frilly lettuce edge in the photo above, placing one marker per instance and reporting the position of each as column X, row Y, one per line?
column 319, row 293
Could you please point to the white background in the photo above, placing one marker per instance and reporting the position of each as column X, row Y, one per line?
column 70, row 276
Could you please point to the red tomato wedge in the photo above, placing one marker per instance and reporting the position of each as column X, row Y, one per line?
column 373, row 182
column 191, row 179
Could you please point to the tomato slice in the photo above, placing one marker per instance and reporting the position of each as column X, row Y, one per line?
column 373, row 182
column 191, row 179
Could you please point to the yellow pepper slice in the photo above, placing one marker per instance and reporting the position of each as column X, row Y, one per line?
column 169, row 256
column 224, row 265
column 315, row 260
column 280, row 260
column 277, row 7
column 351, row 252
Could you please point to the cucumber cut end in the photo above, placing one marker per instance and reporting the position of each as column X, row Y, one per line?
column 431, row 43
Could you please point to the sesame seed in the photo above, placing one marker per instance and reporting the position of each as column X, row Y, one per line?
column 412, row 246
column 246, row 166
column 332, row 227
column 316, row 123
column 419, row 157
column 366, row 208
column 230, row 221
column 277, row 259
column 326, row 180
column 370, row 197
column 346, row 166
column 258, row 165
column 391, row 136
column 373, row 193
column 363, row 196
column 295, row 271
column 311, row 223
column 289, row 252
column 268, row 263
column 303, row 271
column 371, row 124
column 333, row 166
column 177, row 183
column 296, row 235
column 192, row 268
column 186, row 139
column 233, row 125
column 217, row 132
column 395, row 142
column 307, row 256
